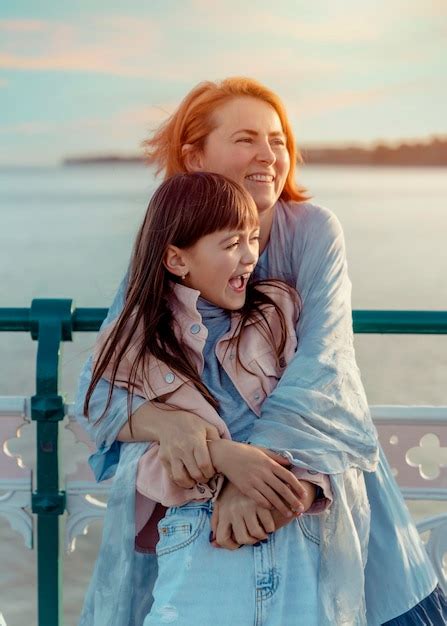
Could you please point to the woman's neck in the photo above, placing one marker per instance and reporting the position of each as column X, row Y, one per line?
column 265, row 222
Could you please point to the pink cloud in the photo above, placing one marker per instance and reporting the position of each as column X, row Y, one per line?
column 21, row 26
column 115, row 45
column 332, row 101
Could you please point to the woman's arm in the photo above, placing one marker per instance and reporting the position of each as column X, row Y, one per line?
column 318, row 411
column 260, row 475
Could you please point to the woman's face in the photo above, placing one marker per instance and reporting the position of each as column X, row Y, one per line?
column 248, row 145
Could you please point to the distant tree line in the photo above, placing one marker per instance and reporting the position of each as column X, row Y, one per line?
column 432, row 152
column 421, row 153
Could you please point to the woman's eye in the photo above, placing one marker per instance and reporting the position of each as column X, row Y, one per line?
column 232, row 245
column 245, row 139
column 278, row 142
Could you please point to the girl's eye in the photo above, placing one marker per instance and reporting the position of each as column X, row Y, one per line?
column 245, row 139
column 232, row 245
column 278, row 142
column 256, row 238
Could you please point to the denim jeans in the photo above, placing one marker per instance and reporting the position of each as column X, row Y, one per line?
column 274, row 583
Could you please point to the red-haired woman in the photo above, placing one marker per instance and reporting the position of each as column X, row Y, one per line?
column 240, row 129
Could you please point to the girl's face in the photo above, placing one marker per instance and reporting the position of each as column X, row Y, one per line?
column 220, row 264
column 248, row 145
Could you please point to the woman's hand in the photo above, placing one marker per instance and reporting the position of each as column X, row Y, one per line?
column 183, row 441
column 259, row 476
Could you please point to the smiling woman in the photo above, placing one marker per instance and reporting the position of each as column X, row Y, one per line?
column 315, row 419
column 241, row 130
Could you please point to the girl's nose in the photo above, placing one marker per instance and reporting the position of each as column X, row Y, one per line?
column 250, row 256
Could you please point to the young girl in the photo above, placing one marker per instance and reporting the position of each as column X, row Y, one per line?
column 213, row 343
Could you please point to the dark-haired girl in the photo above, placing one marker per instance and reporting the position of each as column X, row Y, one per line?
column 195, row 334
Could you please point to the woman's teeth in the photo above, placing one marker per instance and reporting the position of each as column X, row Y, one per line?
column 261, row 178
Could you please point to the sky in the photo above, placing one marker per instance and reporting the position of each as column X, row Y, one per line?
column 91, row 77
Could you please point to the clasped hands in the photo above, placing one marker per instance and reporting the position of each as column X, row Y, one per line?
column 261, row 494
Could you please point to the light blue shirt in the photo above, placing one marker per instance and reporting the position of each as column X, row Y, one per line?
column 322, row 394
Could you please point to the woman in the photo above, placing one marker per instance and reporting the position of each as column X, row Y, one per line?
column 239, row 128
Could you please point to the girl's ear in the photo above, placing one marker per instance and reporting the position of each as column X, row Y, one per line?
column 175, row 262
column 192, row 158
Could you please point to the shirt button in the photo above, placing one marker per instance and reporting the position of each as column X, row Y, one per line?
column 313, row 472
column 257, row 395
column 231, row 356
column 195, row 329
column 169, row 378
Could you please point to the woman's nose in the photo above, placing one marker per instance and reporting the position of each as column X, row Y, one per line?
column 265, row 153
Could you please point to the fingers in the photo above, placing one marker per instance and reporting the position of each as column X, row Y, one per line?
column 224, row 537
column 255, row 529
column 276, row 501
column 266, row 520
column 258, row 497
column 203, row 463
column 242, row 535
column 290, row 479
column 283, row 490
column 180, row 475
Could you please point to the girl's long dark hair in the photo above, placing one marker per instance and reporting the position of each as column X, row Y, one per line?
column 183, row 209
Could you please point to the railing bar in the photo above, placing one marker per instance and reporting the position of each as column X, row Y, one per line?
column 12, row 406
column 364, row 321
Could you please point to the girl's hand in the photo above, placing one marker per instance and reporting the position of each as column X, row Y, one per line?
column 259, row 476
column 183, row 443
column 237, row 520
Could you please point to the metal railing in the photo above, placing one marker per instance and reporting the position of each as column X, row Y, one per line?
column 52, row 321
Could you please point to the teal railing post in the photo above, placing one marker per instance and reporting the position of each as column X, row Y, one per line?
column 50, row 323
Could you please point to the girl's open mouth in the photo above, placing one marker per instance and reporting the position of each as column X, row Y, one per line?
column 238, row 283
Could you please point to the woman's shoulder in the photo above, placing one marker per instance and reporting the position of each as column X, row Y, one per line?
column 307, row 216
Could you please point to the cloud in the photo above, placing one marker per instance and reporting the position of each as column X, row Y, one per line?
column 109, row 45
column 135, row 47
column 21, row 26
column 128, row 122
column 332, row 101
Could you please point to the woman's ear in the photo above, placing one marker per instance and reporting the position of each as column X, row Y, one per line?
column 175, row 262
column 192, row 158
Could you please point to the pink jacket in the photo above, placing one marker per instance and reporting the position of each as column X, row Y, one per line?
column 159, row 382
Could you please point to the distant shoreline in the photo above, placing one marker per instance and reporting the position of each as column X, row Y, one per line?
column 431, row 153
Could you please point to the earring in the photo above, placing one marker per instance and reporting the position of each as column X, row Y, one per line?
column 183, row 276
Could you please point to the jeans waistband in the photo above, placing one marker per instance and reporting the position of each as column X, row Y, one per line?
column 203, row 505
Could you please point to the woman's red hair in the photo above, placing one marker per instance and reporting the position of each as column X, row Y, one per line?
column 193, row 121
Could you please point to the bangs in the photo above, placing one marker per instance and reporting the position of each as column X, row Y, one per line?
column 237, row 211
column 207, row 203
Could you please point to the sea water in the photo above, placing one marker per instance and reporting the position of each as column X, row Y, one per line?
column 68, row 232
